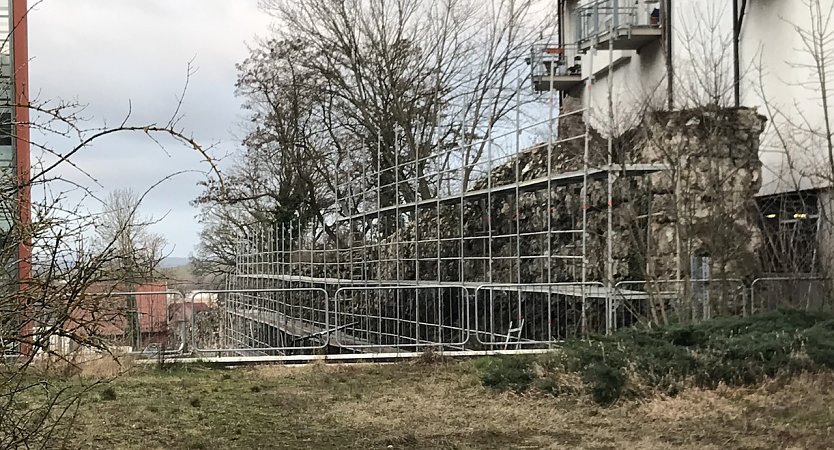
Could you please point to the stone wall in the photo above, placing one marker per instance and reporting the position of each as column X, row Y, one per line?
column 701, row 205
column 714, row 156
column 706, row 197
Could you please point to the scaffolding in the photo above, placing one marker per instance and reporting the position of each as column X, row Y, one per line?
column 476, row 246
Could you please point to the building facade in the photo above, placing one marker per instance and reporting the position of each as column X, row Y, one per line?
column 14, row 141
column 639, row 56
column 14, row 124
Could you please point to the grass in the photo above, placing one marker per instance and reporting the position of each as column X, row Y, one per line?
column 771, row 387
column 439, row 405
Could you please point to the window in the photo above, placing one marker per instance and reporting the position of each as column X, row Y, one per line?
column 789, row 228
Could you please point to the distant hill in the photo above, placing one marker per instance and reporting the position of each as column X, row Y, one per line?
column 173, row 261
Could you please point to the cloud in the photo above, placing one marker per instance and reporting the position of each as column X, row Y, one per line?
column 118, row 55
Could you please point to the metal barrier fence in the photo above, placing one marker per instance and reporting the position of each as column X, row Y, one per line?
column 157, row 333
column 394, row 318
column 805, row 293
column 260, row 321
column 399, row 319
column 664, row 301
column 536, row 315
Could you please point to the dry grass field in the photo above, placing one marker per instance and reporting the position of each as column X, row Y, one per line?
column 433, row 405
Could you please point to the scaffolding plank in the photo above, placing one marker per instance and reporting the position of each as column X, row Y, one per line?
column 558, row 179
column 303, row 330
column 591, row 291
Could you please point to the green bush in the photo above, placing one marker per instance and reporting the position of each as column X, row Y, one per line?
column 108, row 393
column 820, row 344
column 734, row 351
column 605, row 382
column 506, row 372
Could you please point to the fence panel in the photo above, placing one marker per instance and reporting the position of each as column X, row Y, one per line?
column 252, row 322
column 387, row 319
column 805, row 293
column 534, row 315
column 664, row 301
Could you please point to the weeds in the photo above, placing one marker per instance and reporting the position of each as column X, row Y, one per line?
column 733, row 351
column 108, row 394
column 506, row 372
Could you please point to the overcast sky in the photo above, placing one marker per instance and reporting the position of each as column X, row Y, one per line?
column 108, row 53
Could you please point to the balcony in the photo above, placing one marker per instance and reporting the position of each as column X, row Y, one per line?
column 557, row 68
column 630, row 27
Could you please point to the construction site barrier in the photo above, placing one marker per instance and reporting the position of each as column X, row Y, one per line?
column 395, row 318
column 260, row 321
column 532, row 315
column 141, row 327
column 807, row 293
column 664, row 301
column 386, row 320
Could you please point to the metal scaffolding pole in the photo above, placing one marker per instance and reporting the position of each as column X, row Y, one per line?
column 489, row 206
column 518, row 192
column 379, row 228
column 351, row 206
column 285, row 270
column 589, row 83
column 609, row 263
column 415, row 219
column 551, row 105
column 336, row 225
column 364, row 229
column 397, row 226
column 378, row 206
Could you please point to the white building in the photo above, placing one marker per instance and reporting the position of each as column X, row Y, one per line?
column 681, row 54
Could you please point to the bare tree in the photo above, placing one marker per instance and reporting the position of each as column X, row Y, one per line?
column 65, row 303
column 355, row 94
column 139, row 250
column 215, row 256
column 705, row 73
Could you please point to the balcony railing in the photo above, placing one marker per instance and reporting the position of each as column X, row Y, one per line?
column 555, row 60
column 555, row 67
column 595, row 20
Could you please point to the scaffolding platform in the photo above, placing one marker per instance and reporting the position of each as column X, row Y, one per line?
column 557, row 179
column 591, row 291
column 299, row 331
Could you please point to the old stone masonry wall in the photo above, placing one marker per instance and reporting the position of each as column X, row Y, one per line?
column 701, row 205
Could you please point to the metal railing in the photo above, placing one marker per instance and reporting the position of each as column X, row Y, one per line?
column 602, row 16
column 108, row 319
column 557, row 60
column 261, row 321
column 535, row 315
column 389, row 320
column 393, row 318
column 807, row 293
column 664, row 301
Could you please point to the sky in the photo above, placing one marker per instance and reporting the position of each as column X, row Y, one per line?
column 116, row 56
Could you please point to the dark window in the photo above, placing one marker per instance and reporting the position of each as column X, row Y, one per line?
column 789, row 228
